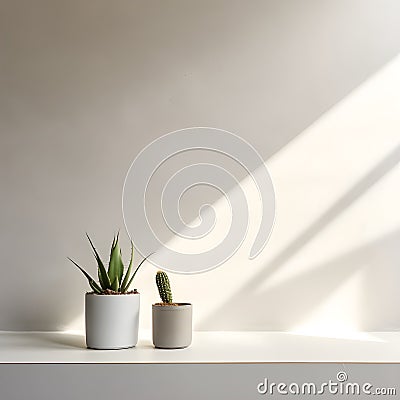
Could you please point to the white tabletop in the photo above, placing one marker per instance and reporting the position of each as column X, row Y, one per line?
column 207, row 347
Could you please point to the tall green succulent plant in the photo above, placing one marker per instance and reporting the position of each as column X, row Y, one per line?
column 164, row 287
column 113, row 278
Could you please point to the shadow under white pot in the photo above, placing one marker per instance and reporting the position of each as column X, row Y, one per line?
column 112, row 321
column 172, row 325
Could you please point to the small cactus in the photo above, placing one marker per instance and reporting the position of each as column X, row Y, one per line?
column 164, row 287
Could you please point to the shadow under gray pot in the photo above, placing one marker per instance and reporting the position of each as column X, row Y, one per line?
column 112, row 321
column 172, row 326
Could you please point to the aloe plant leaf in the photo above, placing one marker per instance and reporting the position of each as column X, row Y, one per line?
column 91, row 281
column 115, row 284
column 116, row 266
column 120, row 266
column 111, row 267
column 102, row 273
column 128, row 271
column 95, row 287
column 136, row 270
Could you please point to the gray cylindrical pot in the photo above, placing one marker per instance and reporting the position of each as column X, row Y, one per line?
column 112, row 321
column 172, row 326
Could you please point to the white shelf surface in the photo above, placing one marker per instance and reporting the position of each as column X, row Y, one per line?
column 207, row 347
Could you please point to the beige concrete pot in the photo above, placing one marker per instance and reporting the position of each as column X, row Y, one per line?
column 172, row 326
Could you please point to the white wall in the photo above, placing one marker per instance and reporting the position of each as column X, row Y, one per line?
column 84, row 85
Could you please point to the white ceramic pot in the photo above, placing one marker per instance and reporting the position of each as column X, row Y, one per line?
column 112, row 321
column 172, row 326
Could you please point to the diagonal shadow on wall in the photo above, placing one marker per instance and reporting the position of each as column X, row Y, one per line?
column 340, row 269
column 292, row 301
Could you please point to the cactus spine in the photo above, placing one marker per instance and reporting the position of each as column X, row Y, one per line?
column 164, row 287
